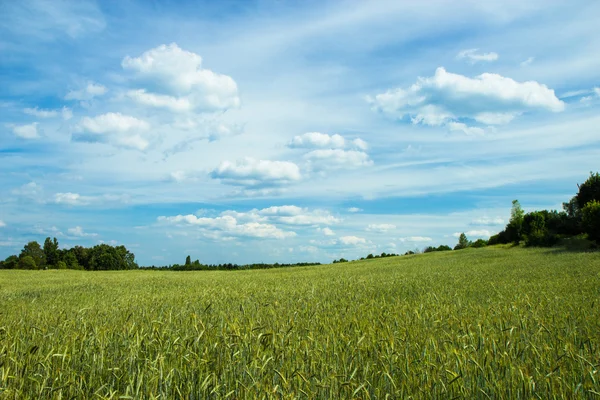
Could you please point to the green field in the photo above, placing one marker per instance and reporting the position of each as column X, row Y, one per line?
column 477, row 323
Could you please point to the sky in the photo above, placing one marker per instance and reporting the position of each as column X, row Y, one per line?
column 280, row 131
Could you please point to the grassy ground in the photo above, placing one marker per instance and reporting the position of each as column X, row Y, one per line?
column 478, row 323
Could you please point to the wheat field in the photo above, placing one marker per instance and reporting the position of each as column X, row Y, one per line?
column 479, row 323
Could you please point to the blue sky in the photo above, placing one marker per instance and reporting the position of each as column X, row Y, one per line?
column 275, row 131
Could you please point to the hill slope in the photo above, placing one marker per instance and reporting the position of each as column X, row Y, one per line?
column 495, row 322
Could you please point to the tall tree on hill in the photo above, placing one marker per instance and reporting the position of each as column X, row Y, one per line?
column 515, row 225
column 188, row 261
column 463, row 242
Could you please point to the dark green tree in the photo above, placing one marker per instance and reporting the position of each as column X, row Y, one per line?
column 34, row 250
column 11, row 262
column 588, row 191
column 463, row 242
column 51, row 252
column 188, row 261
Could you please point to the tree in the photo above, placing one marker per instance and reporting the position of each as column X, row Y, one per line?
column 479, row 243
column 590, row 215
column 188, row 261
column 11, row 262
column 27, row 262
column 51, row 252
column 588, row 191
column 34, row 250
column 71, row 261
column 463, row 242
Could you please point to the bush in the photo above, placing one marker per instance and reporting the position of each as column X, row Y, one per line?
column 479, row 243
column 27, row 262
column 591, row 220
column 61, row 265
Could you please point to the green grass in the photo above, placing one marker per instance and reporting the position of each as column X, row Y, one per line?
column 478, row 323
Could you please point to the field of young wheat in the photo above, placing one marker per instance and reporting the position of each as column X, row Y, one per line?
column 477, row 323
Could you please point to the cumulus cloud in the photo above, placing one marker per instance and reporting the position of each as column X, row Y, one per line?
column 360, row 144
column 354, row 209
column 475, row 233
column 251, row 172
column 473, row 56
column 352, row 240
column 112, row 122
column 78, row 231
column 446, row 97
column 87, row 93
column 175, row 104
column 228, row 225
column 28, row 131
column 416, row 239
column 40, row 113
column 488, row 221
column 288, row 215
column 323, row 159
column 177, row 72
column 115, row 128
column 312, row 140
column 380, row 227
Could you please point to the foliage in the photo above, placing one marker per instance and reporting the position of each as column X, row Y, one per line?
column 495, row 323
column 341, row 260
column 431, row 249
column 479, row 243
column 51, row 253
column 98, row 258
column 588, row 191
column 463, row 242
column 33, row 250
column 27, row 262
column 591, row 220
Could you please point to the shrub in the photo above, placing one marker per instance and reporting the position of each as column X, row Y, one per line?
column 591, row 220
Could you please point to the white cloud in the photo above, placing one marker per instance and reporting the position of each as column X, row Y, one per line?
column 75, row 199
column 527, row 62
column 113, row 122
column 312, row 140
column 380, row 227
column 468, row 130
column 316, row 217
column 2, row 224
column 483, row 233
column 30, row 190
column 326, row 231
column 72, row 199
column 78, row 231
column 337, row 158
column 176, row 104
column 354, row 209
column 132, row 142
column 360, row 144
column 416, row 239
column 28, row 131
column 282, row 210
column 228, row 225
column 66, row 113
column 251, row 172
column 352, row 240
column 445, row 97
column 86, row 93
column 488, row 221
column 178, row 72
column 597, row 91
column 473, row 57
column 40, row 113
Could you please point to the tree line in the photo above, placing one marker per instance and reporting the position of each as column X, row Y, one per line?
column 580, row 217
column 101, row 257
